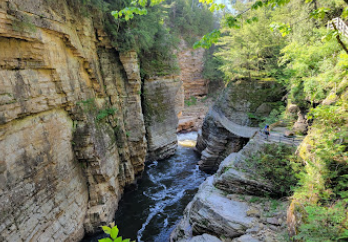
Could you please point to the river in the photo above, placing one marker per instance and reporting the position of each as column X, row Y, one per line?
column 150, row 212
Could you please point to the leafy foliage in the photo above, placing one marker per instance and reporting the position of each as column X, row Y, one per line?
column 105, row 113
column 251, row 51
column 212, row 64
column 208, row 40
column 324, row 224
column 153, row 28
column 113, row 233
column 278, row 165
column 191, row 101
column 128, row 12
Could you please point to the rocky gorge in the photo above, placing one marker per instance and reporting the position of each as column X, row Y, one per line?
column 77, row 122
column 89, row 135
column 73, row 132
column 231, row 205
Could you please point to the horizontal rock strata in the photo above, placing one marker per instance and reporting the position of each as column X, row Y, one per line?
column 227, row 126
column 162, row 105
column 72, row 132
column 191, row 66
column 231, row 205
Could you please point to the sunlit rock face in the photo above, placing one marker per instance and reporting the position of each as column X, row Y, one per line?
column 191, row 65
column 72, row 132
column 231, row 205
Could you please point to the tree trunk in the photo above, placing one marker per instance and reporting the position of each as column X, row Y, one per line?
column 339, row 38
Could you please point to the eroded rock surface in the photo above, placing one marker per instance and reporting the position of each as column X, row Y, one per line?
column 43, row 191
column 72, row 132
column 191, row 66
column 231, row 206
column 231, row 113
column 215, row 142
column 193, row 115
column 162, row 105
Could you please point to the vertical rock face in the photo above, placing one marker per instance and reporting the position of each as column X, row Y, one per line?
column 43, row 192
column 72, row 133
column 230, row 112
column 162, row 105
column 133, row 118
column 215, row 142
column 191, row 65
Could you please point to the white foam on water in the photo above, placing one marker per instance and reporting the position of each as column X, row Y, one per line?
column 154, row 164
column 159, row 208
column 165, row 222
column 188, row 136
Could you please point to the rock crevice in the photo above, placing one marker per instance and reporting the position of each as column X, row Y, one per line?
column 72, row 130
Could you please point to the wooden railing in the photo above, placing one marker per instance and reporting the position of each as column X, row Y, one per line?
column 340, row 25
column 294, row 141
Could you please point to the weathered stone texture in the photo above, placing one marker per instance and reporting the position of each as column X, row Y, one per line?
column 214, row 143
column 193, row 115
column 161, row 108
column 63, row 161
column 191, row 65
column 231, row 204
column 43, row 193
column 236, row 101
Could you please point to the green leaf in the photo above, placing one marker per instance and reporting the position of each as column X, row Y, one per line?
column 114, row 232
column 126, row 240
column 142, row 2
column 344, row 235
column 208, row 40
column 216, row 7
column 284, row 29
column 319, row 13
column 232, row 22
column 106, row 229
column 105, row 240
column 119, row 239
column 344, row 14
column 256, row 5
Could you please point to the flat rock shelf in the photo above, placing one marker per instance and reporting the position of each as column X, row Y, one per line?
column 150, row 212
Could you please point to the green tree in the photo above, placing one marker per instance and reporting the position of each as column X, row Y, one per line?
column 252, row 50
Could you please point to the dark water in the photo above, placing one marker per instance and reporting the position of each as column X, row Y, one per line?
column 150, row 212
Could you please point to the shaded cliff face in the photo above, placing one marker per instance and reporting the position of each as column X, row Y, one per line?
column 163, row 98
column 72, row 133
column 226, row 127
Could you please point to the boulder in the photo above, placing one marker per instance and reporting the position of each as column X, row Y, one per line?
column 263, row 110
column 212, row 212
column 205, row 238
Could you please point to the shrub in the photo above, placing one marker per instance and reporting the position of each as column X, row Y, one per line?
column 324, row 224
column 105, row 112
column 191, row 101
column 113, row 233
column 278, row 165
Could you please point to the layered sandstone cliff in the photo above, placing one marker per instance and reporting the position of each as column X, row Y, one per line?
column 72, row 131
column 163, row 97
column 191, row 65
column 227, row 126
column 231, row 205
column 191, row 62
